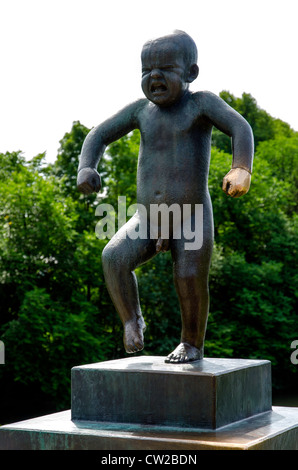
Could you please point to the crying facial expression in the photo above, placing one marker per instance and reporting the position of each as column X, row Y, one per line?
column 163, row 73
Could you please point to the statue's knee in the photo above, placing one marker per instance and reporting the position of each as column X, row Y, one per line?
column 109, row 257
column 117, row 259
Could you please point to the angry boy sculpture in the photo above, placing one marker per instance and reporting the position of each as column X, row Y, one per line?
column 173, row 165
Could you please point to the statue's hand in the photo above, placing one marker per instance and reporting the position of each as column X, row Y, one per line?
column 88, row 181
column 236, row 183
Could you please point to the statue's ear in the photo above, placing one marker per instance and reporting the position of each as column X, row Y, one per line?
column 192, row 73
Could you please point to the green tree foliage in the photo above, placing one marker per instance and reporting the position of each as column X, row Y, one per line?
column 66, row 164
column 49, row 335
column 51, row 280
column 263, row 125
column 37, row 234
column 281, row 154
column 55, row 309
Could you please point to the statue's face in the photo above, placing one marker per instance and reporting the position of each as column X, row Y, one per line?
column 163, row 72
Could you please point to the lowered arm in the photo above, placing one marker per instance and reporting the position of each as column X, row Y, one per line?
column 98, row 139
column 229, row 121
column 236, row 183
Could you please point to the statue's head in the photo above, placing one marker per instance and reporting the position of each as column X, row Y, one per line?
column 169, row 65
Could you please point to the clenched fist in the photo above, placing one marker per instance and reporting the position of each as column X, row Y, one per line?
column 88, row 181
column 236, row 183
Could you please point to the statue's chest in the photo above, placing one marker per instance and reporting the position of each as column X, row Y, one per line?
column 164, row 127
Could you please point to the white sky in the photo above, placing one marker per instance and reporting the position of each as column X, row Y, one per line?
column 69, row 60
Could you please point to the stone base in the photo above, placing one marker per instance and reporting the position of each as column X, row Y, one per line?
column 142, row 403
column 145, row 390
column 273, row 430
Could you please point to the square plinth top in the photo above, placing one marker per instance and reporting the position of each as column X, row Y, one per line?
column 157, row 364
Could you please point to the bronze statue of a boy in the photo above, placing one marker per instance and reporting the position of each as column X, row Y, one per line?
column 175, row 126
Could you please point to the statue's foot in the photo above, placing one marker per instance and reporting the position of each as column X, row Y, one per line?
column 185, row 352
column 133, row 335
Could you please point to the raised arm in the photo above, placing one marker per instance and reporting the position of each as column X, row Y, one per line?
column 98, row 139
column 226, row 119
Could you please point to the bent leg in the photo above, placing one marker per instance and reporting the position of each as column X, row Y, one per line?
column 191, row 272
column 121, row 256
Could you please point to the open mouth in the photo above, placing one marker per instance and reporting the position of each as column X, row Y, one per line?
column 157, row 88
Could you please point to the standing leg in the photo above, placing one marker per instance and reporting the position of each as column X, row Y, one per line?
column 121, row 256
column 191, row 272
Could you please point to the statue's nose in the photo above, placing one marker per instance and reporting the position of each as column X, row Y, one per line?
column 156, row 73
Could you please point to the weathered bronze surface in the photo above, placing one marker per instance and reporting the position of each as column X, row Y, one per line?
column 176, row 127
column 206, row 394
